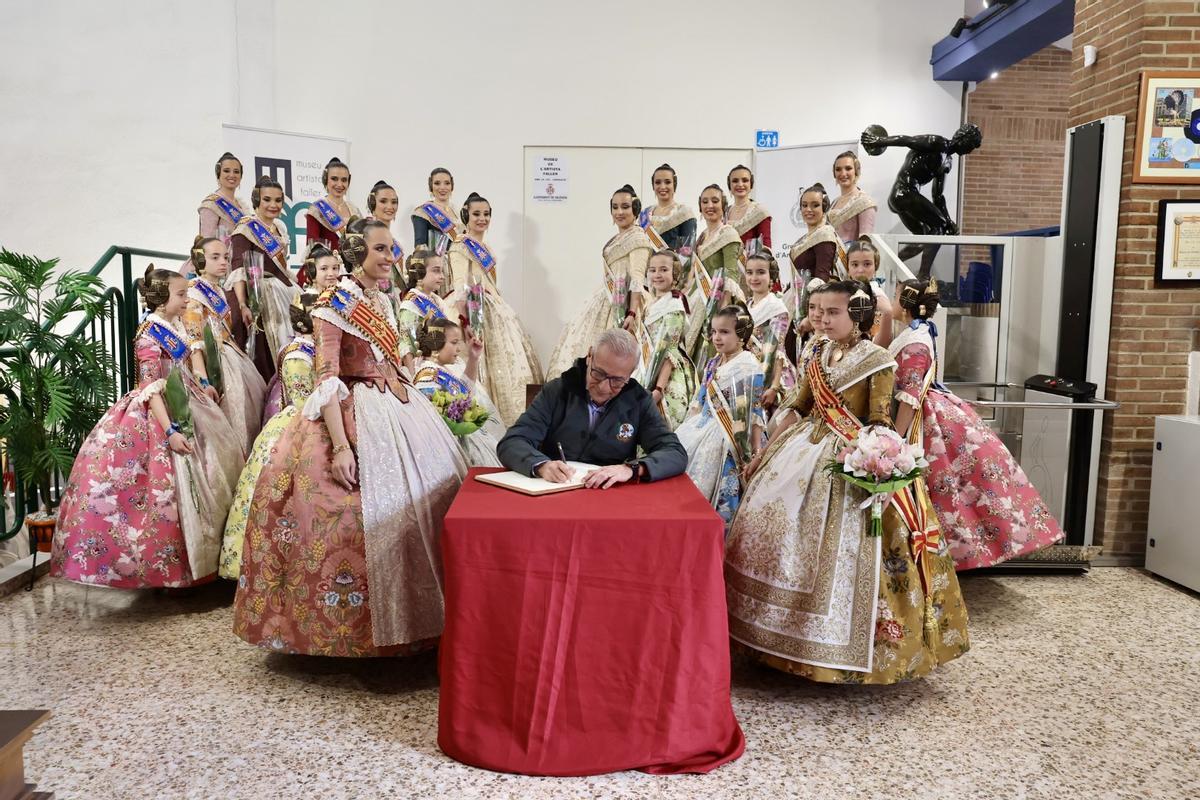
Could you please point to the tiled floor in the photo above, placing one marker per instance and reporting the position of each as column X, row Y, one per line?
column 1076, row 687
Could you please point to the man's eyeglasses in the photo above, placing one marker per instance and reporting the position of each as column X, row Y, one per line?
column 615, row 382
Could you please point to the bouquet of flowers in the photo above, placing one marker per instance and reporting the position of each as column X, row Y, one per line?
column 475, row 308
column 212, row 360
column 703, row 346
column 462, row 415
column 254, row 279
column 769, row 346
column 800, row 280
column 746, row 409
column 619, row 300
column 880, row 461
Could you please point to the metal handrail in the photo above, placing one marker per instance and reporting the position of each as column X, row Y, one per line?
column 1099, row 404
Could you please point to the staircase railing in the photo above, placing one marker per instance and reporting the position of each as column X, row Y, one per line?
column 113, row 326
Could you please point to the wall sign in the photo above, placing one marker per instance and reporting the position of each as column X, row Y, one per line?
column 765, row 140
column 550, row 179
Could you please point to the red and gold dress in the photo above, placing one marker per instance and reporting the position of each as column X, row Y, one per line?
column 331, row 571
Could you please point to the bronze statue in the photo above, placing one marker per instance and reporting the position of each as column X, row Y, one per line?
column 928, row 161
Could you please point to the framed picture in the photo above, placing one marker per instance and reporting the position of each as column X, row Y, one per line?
column 1177, row 255
column 1167, row 148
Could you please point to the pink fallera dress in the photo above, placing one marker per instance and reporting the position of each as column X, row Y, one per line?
column 988, row 510
column 135, row 515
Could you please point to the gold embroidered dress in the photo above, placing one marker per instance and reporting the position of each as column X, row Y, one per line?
column 509, row 362
column 244, row 390
column 809, row 592
column 625, row 255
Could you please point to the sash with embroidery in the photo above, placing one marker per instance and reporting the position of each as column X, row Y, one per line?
column 170, row 341
column 227, row 208
column 481, row 254
column 367, row 321
column 267, row 241
column 444, row 379
column 331, row 218
column 307, row 348
column 723, row 414
column 439, row 218
column 397, row 252
column 427, row 307
column 214, row 299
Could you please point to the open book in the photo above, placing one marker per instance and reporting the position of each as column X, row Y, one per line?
column 524, row 484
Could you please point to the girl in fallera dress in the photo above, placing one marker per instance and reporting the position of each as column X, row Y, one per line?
column 222, row 210
column 508, row 363
column 751, row 220
column 261, row 234
column 817, row 253
column 670, row 219
column 771, row 319
column 726, row 414
column 296, row 383
column 668, row 373
column 853, row 214
column 243, row 392
column 809, row 590
column 442, row 367
column 719, row 249
column 342, row 548
column 383, row 204
column 322, row 269
column 625, row 257
column 437, row 215
column 146, row 500
column 862, row 262
column 328, row 217
column 423, row 302
column 988, row 510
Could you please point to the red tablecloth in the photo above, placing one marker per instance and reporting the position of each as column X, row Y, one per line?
column 586, row 632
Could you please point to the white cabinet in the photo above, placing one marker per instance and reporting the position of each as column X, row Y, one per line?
column 1173, row 540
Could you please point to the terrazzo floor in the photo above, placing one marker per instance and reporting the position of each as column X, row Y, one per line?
column 1075, row 687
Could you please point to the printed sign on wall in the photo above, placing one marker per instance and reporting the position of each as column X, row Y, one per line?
column 550, row 179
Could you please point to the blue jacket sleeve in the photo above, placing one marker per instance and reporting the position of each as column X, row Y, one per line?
column 519, row 449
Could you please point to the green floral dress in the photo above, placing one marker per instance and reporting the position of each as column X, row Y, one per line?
column 666, row 321
column 296, row 378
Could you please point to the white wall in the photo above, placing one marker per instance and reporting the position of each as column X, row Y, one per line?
column 113, row 121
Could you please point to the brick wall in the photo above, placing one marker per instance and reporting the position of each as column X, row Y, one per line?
column 1152, row 328
column 1015, row 181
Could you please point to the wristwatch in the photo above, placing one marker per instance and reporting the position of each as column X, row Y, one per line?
column 636, row 466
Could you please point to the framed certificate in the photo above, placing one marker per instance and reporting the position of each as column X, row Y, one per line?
column 1167, row 147
column 1177, row 256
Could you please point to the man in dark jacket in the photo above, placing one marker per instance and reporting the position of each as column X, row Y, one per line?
column 596, row 414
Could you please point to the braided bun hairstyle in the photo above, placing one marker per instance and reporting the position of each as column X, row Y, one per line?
column 819, row 188
column 352, row 245
column 743, row 323
column 316, row 251
column 226, row 156
column 629, row 190
column 414, row 265
column 334, row 162
column 301, row 313
column 919, row 298
column 155, row 286
column 432, row 337
column 198, row 258
column 263, row 182
column 861, row 305
column 719, row 191
column 765, row 256
column 464, row 213
column 375, row 190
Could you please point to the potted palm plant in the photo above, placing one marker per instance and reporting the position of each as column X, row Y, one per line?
column 55, row 383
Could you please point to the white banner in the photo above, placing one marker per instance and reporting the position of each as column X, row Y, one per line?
column 296, row 160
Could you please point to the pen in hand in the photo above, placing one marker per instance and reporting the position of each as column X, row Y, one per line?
column 561, row 454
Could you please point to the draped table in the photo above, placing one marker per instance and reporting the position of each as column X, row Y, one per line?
column 586, row 631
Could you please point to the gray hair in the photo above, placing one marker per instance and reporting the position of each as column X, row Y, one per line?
column 619, row 342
